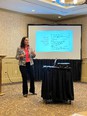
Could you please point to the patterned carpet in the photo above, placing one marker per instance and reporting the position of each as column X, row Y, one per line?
column 14, row 104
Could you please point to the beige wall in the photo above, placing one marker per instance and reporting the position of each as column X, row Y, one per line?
column 80, row 20
column 13, row 26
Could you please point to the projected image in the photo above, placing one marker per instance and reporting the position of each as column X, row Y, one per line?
column 54, row 41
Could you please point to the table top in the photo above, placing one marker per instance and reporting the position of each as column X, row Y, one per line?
column 56, row 67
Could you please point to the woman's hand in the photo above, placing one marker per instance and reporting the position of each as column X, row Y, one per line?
column 22, row 56
column 33, row 53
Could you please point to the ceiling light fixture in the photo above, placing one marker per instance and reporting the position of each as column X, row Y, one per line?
column 53, row 1
column 33, row 10
column 59, row 17
column 71, row 2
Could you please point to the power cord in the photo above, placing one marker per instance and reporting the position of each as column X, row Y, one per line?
column 9, row 77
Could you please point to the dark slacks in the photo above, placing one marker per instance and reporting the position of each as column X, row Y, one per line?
column 27, row 73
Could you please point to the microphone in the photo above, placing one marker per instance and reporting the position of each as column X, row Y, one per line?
column 55, row 62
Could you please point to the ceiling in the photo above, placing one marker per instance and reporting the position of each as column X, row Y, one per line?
column 44, row 8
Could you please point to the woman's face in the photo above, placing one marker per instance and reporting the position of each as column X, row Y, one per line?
column 26, row 41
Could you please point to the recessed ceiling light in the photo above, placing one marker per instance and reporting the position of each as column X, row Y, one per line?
column 53, row 1
column 59, row 17
column 33, row 10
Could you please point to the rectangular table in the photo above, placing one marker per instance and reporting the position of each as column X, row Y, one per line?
column 57, row 84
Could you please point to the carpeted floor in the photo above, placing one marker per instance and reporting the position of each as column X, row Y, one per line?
column 14, row 104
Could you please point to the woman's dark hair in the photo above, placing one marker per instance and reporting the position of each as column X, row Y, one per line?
column 22, row 45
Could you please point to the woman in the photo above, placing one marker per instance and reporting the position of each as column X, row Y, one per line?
column 25, row 56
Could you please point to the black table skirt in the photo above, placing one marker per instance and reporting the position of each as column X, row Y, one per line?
column 57, row 84
column 38, row 71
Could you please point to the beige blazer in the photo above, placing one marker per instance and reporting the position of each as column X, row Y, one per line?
column 22, row 61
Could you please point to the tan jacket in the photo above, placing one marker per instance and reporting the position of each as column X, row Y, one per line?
column 22, row 61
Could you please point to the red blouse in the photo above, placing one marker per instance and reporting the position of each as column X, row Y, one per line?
column 27, row 55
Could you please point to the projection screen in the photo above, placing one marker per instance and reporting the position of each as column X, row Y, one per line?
column 55, row 41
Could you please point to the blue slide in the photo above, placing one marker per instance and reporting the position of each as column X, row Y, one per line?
column 54, row 41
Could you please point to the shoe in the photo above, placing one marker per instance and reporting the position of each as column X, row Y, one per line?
column 34, row 93
column 25, row 95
